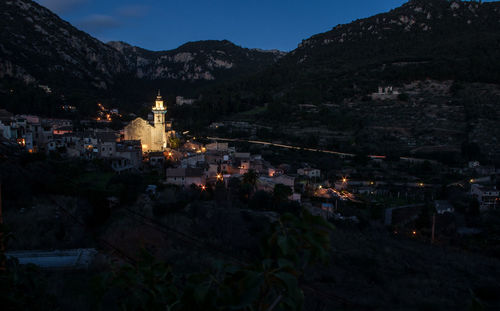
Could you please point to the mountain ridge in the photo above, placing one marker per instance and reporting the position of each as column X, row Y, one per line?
column 436, row 39
column 37, row 47
column 457, row 40
column 208, row 55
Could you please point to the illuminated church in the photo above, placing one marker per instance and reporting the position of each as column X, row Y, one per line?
column 153, row 135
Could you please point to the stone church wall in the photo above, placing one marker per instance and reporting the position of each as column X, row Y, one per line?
column 140, row 129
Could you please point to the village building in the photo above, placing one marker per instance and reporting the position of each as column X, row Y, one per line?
column 488, row 197
column 387, row 92
column 309, row 172
column 107, row 144
column 156, row 159
column 153, row 137
column 218, row 147
column 179, row 101
column 185, row 176
column 442, row 207
column 193, row 161
column 272, row 171
column 192, row 147
column 130, row 150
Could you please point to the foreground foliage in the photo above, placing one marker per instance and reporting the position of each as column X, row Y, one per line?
column 269, row 283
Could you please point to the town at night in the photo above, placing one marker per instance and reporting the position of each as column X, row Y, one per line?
column 249, row 156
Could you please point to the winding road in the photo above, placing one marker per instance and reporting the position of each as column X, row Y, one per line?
column 337, row 153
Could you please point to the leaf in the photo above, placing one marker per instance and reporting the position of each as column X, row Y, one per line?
column 249, row 289
column 267, row 263
column 283, row 244
column 285, row 263
column 289, row 280
column 200, row 292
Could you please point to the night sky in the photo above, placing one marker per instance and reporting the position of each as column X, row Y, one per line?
column 166, row 24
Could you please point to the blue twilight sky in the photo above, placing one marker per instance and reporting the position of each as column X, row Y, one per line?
column 166, row 24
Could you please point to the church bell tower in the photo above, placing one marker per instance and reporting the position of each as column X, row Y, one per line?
column 159, row 112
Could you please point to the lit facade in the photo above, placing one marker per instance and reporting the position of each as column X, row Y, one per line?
column 153, row 136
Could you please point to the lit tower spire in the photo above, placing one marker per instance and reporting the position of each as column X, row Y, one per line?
column 158, row 108
column 159, row 111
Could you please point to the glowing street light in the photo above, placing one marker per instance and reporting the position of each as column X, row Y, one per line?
column 344, row 179
column 203, row 187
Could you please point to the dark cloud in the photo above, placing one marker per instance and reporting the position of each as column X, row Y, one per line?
column 133, row 10
column 97, row 23
column 61, row 6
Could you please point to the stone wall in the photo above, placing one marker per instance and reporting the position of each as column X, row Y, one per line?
column 140, row 129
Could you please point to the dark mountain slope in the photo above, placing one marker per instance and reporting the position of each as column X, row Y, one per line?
column 36, row 46
column 422, row 39
column 39, row 48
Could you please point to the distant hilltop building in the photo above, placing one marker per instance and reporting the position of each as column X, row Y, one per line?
column 387, row 92
column 153, row 136
column 46, row 88
column 179, row 101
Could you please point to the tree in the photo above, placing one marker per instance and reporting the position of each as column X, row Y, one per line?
column 281, row 193
column 361, row 159
column 220, row 192
column 471, row 151
column 245, row 192
column 250, row 178
column 270, row 282
column 22, row 287
column 173, row 141
column 261, row 200
column 424, row 218
column 234, row 186
column 312, row 141
column 130, row 184
column 403, row 97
